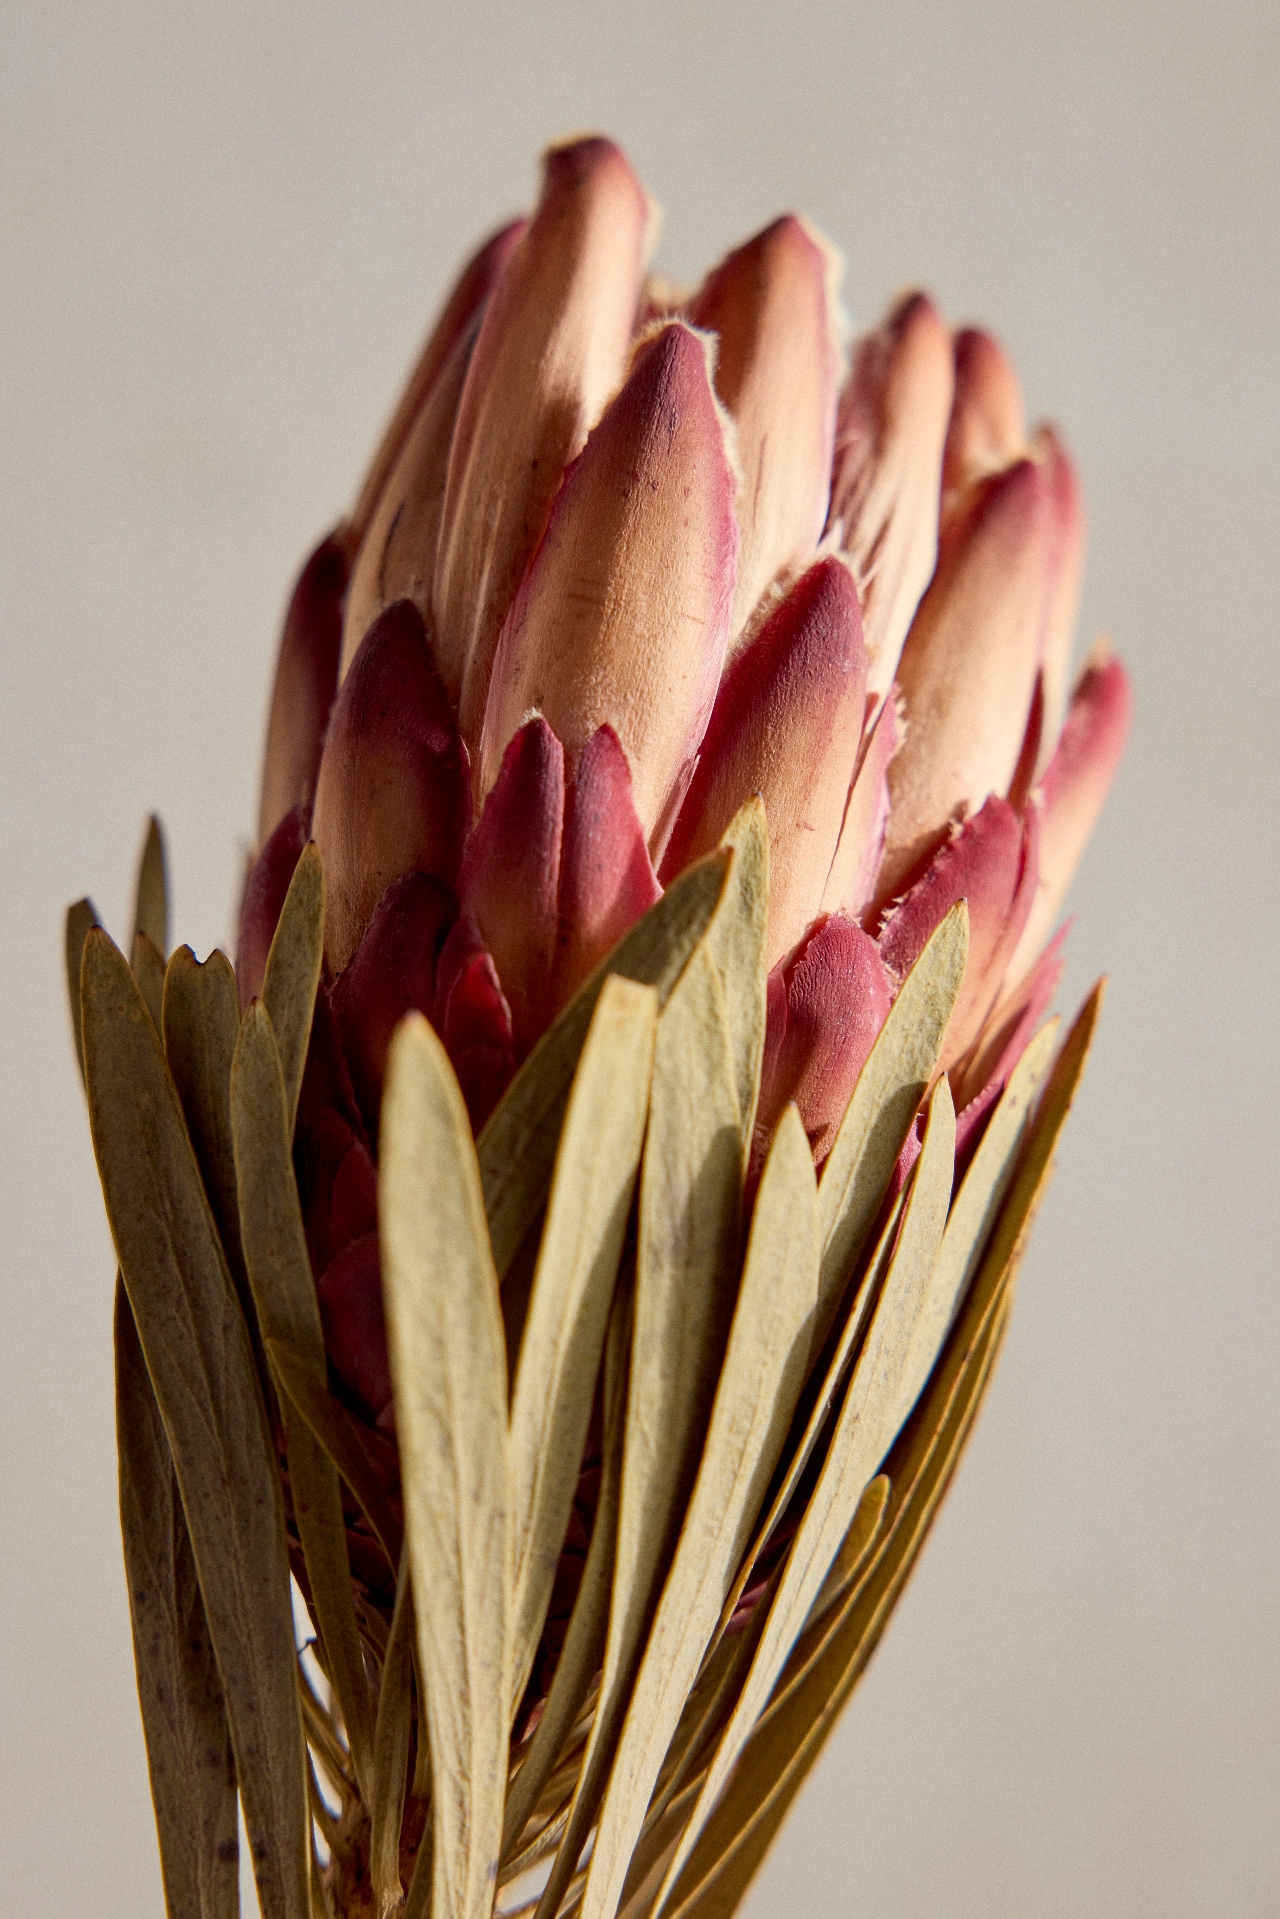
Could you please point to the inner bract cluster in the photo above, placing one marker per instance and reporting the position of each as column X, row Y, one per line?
column 626, row 556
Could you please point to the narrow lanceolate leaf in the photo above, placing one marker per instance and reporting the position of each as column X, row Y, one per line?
column 591, row 1193
column 151, row 895
column 321, row 1904
column 862, row 1436
column 763, row 1372
column 704, row 1718
column 583, row 1648
column 737, row 943
column 790, row 1735
column 275, row 1249
column 974, row 1212
column 849, row 1563
column 147, row 963
column 201, row 1019
column 338, row 1433
column 818, row 1679
column 1031, row 1180
column 391, row 1750
column 193, row 1775
column 293, row 970
column 885, row 1101
column 851, row 1332
column 686, row 1272
column 197, row 1351
column 448, row 1362
column 517, row 1148
column 760, row 1760
column 80, row 917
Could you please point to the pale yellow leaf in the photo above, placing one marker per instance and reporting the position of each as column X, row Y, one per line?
column 848, row 1563
column 790, row 1735
column 1013, row 1226
column 201, row 1019
column 151, row 894
column 817, row 1680
column 324, row 1819
column 284, row 1292
column 338, row 1433
column 885, row 1101
column 517, row 1148
column 293, row 971
column 448, row 1364
column 736, row 939
column 321, row 1904
column 583, row 1648
column 591, row 1192
column 763, row 1372
column 974, row 1211
column 323, row 1737
column 833, row 1379
column 686, row 1281
column 392, row 1735
column 197, row 1352
column 189, row 1758
column 857, row 1446
column 80, row 917
column 724, row 1669
column 147, row 964
column 418, row 1899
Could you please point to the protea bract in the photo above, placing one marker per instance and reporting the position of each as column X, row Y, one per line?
column 575, row 1242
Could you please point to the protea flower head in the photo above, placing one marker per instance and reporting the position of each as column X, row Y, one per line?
column 577, row 1241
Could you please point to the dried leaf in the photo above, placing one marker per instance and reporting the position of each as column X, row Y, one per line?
column 321, row 1905
column 723, row 1670
column 193, row 1775
column 293, row 970
column 323, row 1736
column 583, row 1648
column 760, row 1382
column 151, row 895
column 275, row 1249
column 974, row 1212
column 654, row 1853
column 448, row 1364
column 790, row 1735
column 391, row 1750
column 591, row 1191
column 821, row 1673
column 201, row 1020
column 147, row 963
column 417, row 1904
column 517, row 1148
column 858, row 1444
column 1031, row 1180
column 849, row 1562
column 338, row 1433
column 885, row 1101
column 736, row 939
column 80, row 917
column 320, row 1812
column 686, row 1279
column 868, row 1293
column 197, row 1352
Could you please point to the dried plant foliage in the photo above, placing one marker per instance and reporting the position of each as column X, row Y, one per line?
column 774, row 1386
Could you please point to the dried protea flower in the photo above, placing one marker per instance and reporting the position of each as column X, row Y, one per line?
column 576, row 1240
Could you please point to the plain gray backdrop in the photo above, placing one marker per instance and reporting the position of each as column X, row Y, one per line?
column 222, row 231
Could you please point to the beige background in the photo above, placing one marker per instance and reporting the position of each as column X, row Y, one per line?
column 222, row 229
